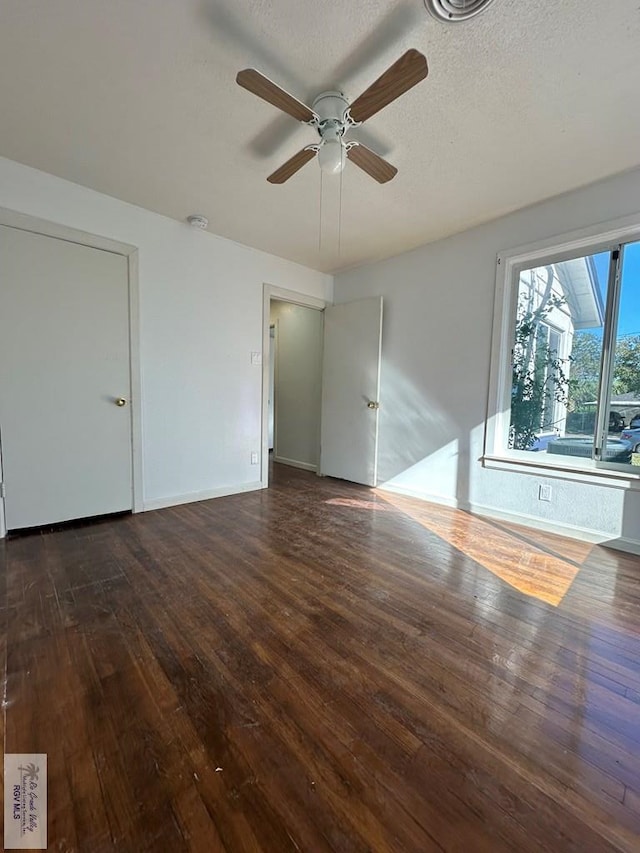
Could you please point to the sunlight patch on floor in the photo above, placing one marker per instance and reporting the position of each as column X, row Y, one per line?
column 358, row 503
column 531, row 570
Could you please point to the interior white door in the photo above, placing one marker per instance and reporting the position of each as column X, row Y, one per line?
column 351, row 390
column 64, row 372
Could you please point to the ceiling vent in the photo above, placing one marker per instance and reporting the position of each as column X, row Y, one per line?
column 455, row 10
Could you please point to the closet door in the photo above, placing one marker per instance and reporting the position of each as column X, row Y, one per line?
column 65, row 421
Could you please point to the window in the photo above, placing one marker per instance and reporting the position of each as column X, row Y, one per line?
column 566, row 363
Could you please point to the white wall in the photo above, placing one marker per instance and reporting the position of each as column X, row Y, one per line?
column 435, row 372
column 298, row 383
column 200, row 319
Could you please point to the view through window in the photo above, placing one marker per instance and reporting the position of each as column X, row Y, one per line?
column 575, row 382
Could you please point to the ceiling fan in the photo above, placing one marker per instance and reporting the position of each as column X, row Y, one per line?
column 332, row 116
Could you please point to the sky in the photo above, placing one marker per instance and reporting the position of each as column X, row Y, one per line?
column 629, row 317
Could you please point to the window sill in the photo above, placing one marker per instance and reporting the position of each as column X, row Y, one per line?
column 584, row 472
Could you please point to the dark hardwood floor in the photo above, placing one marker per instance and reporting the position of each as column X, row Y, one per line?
column 322, row 667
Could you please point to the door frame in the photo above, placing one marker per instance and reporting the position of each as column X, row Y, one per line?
column 271, row 395
column 273, row 344
column 280, row 294
column 24, row 222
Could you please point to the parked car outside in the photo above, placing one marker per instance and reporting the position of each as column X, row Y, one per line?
column 541, row 441
column 632, row 435
column 616, row 450
column 584, row 423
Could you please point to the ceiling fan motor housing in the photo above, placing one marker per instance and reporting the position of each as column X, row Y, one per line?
column 330, row 105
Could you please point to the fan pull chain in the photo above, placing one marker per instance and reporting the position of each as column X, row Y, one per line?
column 340, row 217
column 320, row 218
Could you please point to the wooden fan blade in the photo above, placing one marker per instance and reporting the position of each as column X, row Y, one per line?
column 371, row 163
column 291, row 166
column 410, row 69
column 255, row 82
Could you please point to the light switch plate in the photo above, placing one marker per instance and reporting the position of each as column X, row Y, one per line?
column 256, row 358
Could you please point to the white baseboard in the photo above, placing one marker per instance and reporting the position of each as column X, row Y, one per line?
column 193, row 497
column 422, row 496
column 306, row 466
column 573, row 531
column 631, row 546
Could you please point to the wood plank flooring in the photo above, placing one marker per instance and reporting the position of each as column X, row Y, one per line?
column 322, row 667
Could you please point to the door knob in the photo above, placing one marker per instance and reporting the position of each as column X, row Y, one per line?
column 120, row 401
column 372, row 404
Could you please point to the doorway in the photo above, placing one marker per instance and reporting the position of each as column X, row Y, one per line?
column 295, row 368
column 344, row 388
column 288, row 318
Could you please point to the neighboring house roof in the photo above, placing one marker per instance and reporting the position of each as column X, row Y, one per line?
column 579, row 281
column 620, row 401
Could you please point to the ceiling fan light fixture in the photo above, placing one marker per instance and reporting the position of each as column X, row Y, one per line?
column 455, row 10
column 332, row 157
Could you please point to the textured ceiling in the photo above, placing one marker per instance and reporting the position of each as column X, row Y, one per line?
column 137, row 99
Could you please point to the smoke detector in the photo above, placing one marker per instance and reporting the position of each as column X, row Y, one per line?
column 196, row 220
column 455, row 10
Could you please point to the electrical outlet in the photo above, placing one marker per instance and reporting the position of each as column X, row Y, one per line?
column 544, row 492
column 254, row 458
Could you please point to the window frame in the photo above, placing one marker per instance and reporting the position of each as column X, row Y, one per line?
column 560, row 352
column 606, row 237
